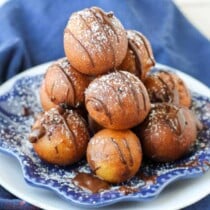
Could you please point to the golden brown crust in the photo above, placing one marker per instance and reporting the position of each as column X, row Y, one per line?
column 164, row 86
column 184, row 93
column 60, row 138
column 117, row 100
column 46, row 103
column 139, row 58
column 93, row 125
column 63, row 85
column 114, row 156
column 94, row 41
column 168, row 132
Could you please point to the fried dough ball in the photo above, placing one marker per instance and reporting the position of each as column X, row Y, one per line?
column 63, row 85
column 139, row 58
column 164, row 86
column 168, row 132
column 117, row 100
column 60, row 138
column 94, row 41
column 114, row 156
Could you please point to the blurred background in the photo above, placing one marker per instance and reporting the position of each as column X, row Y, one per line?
column 27, row 33
column 198, row 13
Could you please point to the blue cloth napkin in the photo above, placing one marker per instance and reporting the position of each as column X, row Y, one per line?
column 31, row 33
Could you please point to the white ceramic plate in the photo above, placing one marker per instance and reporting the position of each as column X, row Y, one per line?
column 48, row 200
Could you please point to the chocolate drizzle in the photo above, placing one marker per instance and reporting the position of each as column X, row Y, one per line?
column 49, row 121
column 36, row 134
column 99, row 106
column 146, row 47
column 133, row 91
column 129, row 151
column 135, row 49
column 92, row 32
column 135, row 42
column 99, row 21
column 171, row 92
column 176, row 120
column 168, row 93
column 116, row 92
column 80, row 43
column 71, row 85
column 122, row 158
column 173, row 116
column 71, row 133
column 105, row 18
column 162, row 88
column 56, row 149
column 26, row 111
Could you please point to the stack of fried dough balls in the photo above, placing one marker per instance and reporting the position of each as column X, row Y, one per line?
column 94, row 96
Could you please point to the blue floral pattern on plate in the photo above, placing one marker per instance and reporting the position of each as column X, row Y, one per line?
column 21, row 103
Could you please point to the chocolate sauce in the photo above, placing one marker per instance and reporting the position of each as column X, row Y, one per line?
column 36, row 134
column 107, row 36
column 90, row 183
column 85, row 49
column 56, row 149
column 26, row 111
column 71, row 133
column 163, row 92
column 146, row 47
column 114, row 90
column 65, row 74
column 100, row 27
column 173, row 116
column 100, row 107
column 167, row 96
column 105, row 17
column 171, row 94
column 129, row 151
column 122, row 158
column 133, row 90
column 135, row 94
column 135, row 49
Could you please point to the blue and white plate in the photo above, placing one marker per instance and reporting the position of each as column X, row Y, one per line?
column 20, row 103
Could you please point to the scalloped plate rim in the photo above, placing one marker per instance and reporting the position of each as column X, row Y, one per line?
column 109, row 202
column 127, row 198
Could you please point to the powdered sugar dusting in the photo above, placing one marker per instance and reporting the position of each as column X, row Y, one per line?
column 122, row 85
column 132, row 35
column 15, row 128
column 100, row 33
